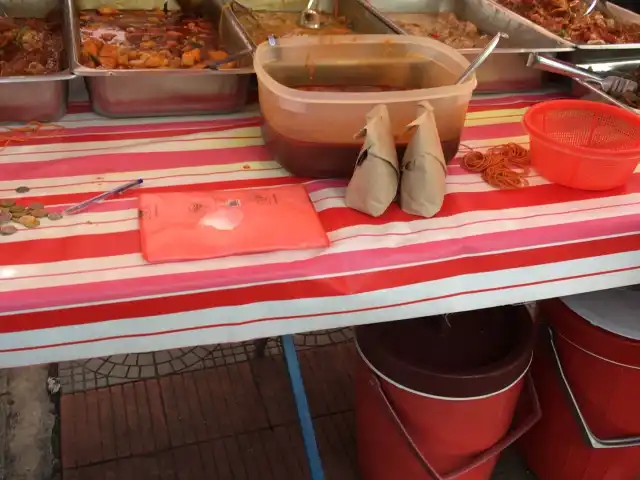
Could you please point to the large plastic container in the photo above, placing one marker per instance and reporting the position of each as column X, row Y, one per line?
column 435, row 397
column 588, row 379
column 312, row 133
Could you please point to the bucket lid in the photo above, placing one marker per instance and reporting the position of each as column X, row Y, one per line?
column 614, row 310
column 463, row 355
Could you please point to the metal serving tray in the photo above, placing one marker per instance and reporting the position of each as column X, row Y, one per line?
column 36, row 97
column 146, row 93
column 584, row 52
column 505, row 69
column 359, row 15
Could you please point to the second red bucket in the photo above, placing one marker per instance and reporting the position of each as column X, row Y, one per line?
column 436, row 396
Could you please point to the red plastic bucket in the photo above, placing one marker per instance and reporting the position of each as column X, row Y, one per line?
column 588, row 380
column 435, row 397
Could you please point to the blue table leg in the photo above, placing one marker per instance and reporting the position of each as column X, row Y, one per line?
column 304, row 415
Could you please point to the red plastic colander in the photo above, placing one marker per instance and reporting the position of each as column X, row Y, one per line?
column 582, row 144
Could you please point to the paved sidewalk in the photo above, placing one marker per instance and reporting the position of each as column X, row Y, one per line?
column 233, row 420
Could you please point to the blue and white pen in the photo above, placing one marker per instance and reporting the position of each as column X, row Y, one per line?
column 81, row 206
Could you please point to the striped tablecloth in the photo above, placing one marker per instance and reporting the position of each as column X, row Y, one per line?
column 80, row 288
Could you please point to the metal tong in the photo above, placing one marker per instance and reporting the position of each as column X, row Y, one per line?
column 479, row 60
column 310, row 16
column 612, row 84
column 214, row 65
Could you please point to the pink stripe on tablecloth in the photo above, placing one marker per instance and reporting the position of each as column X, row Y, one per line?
column 333, row 264
column 498, row 130
column 118, row 162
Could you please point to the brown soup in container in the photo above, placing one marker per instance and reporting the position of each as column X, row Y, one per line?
column 315, row 96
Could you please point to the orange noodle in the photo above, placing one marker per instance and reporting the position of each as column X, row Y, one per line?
column 23, row 134
column 503, row 166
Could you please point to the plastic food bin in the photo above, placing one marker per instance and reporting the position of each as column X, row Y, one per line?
column 311, row 133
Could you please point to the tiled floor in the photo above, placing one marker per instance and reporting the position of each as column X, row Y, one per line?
column 229, row 420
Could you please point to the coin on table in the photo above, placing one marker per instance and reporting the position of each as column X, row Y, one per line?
column 8, row 230
column 7, row 203
column 15, row 216
column 5, row 217
column 29, row 221
column 17, row 208
column 22, row 189
column 36, row 206
column 54, row 216
column 39, row 213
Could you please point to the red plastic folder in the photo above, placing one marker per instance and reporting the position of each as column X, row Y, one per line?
column 199, row 225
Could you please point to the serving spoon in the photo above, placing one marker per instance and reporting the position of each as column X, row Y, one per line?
column 310, row 16
column 484, row 54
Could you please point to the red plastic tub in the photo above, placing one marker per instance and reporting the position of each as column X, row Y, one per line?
column 602, row 372
column 582, row 144
column 435, row 397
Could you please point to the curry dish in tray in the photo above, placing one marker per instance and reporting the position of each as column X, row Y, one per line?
column 566, row 19
column 30, row 46
column 259, row 24
column 157, row 39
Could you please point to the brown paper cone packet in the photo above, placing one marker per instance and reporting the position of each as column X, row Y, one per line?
column 374, row 183
column 424, row 171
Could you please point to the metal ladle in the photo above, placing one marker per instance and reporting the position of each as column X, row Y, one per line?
column 479, row 60
column 310, row 16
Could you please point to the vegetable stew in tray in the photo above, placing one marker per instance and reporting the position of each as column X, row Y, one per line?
column 566, row 19
column 142, row 39
column 259, row 24
column 30, row 46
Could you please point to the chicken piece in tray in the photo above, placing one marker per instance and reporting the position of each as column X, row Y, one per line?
column 29, row 47
column 139, row 39
column 445, row 27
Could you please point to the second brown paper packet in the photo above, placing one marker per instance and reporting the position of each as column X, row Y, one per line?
column 374, row 184
column 424, row 170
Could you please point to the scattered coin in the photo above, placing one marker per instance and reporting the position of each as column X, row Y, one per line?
column 8, row 230
column 54, row 216
column 17, row 208
column 5, row 217
column 29, row 221
column 22, row 189
column 36, row 206
column 39, row 213
column 7, row 203
column 15, row 216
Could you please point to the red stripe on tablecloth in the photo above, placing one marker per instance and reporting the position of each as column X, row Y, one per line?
column 336, row 218
column 316, row 288
column 122, row 243
column 333, row 264
column 120, row 162
column 315, row 315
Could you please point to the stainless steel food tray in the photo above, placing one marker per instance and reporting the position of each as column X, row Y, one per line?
column 584, row 52
column 146, row 93
column 359, row 15
column 505, row 69
column 36, row 97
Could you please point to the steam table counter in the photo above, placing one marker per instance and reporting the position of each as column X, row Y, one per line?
column 79, row 287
